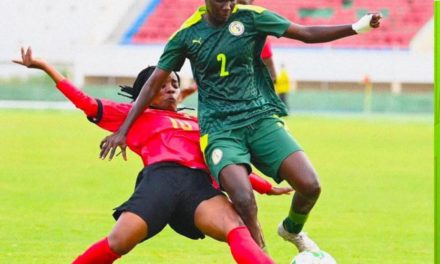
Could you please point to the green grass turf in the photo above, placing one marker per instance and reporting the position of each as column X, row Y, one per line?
column 376, row 205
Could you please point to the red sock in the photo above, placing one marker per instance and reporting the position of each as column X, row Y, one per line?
column 98, row 253
column 244, row 249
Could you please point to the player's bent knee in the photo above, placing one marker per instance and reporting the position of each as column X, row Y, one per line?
column 312, row 189
column 244, row 202
column 119, row 243
column 232, row 219
column 130, row 229
column 216, row 217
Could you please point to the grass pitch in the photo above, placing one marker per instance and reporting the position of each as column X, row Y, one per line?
column 376, row 205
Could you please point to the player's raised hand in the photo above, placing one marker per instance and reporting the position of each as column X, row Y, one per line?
column 28, row 60
column 109, row 145
column 280, row 190
column 367, row 23
column 375, row 20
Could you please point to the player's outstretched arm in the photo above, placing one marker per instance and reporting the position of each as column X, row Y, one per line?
column 319, row 34
column 81, row 100
column 29, row 61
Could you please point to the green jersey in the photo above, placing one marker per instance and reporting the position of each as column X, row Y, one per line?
column 235, row 87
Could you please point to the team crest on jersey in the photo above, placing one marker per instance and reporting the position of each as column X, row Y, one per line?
column 216, row 156
column 236, row 28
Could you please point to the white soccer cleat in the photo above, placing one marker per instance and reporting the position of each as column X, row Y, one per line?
column 301, row 240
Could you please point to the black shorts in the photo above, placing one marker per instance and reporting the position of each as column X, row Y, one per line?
column 169, row 193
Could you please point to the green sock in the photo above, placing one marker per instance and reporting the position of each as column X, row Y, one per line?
column 294, row 222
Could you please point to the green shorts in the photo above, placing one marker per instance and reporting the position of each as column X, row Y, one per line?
column 265, row 144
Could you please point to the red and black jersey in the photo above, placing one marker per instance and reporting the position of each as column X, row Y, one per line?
column 157, row 135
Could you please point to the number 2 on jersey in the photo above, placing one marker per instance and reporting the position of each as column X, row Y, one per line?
column 222, row 58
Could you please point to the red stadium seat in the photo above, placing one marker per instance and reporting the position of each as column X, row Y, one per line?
column 402, row 20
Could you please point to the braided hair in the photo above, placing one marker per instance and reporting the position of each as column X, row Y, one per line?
column 141, row 79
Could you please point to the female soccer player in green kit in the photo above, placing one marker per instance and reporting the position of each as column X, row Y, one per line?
column 238, row 109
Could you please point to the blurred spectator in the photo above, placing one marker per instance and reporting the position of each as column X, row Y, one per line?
column 282, row 85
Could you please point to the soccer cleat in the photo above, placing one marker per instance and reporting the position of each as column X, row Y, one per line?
column 300, row 240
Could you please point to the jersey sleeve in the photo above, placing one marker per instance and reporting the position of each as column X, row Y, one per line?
column 174, row 55
column 106, row 114
column 80, row 99
column 110, row 114
column 270, row 23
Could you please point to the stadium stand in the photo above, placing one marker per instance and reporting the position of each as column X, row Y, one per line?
column 403, row 19
column 84, row 39
column 59, row 29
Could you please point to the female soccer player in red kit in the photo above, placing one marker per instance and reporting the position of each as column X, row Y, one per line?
column 174, row 187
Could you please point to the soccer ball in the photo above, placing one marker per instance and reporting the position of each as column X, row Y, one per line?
column 307, row 257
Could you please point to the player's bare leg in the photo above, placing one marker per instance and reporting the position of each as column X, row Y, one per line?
column 129, row 230
column 235, row 181
column 217, row 218
column 298, row 171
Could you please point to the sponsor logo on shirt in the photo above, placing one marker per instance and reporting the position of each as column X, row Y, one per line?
column 216, row 156
column 236, row 28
